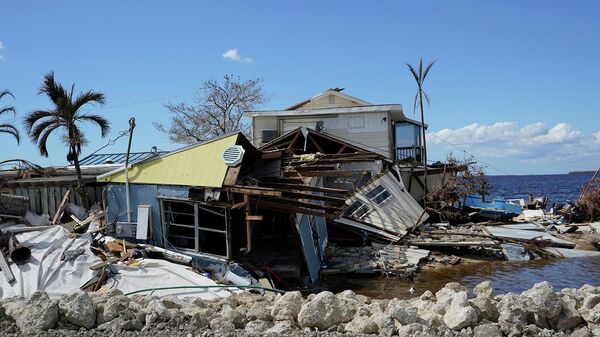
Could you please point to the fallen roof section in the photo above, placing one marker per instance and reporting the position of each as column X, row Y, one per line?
column 384, row 205
column 527, row 235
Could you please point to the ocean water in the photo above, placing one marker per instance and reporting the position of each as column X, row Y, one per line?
column 557, row 187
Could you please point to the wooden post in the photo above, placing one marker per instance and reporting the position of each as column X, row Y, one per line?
column 248, row 225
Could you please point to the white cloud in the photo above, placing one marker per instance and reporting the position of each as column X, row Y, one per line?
column 532, row 143
column 234, row 55
column 1, row 49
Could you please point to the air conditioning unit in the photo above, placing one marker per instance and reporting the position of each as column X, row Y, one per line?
column 233, row 155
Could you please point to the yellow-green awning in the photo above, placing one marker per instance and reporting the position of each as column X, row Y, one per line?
column 197, row 165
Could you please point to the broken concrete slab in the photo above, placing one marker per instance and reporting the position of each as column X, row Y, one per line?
column 526, row 235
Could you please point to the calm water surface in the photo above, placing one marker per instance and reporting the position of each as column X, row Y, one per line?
column 504, row 276
column 557, row 187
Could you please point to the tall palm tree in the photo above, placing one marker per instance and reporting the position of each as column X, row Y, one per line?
column 64, row 116
column 420, row 78
column 7, row 127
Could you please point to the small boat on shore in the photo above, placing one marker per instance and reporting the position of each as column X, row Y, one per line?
column 498, row 208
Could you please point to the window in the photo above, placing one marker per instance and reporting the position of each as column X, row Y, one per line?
column 408, row 141
column 357, row 210
column 331, row 99
column 407, row 135
column 194, row 226
column 378, row 195
column 268, row 135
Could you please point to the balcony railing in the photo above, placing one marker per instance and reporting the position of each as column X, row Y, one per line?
column 414, row 152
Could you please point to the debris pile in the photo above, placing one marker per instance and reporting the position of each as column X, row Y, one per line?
column 70, row 252
column 449, row 312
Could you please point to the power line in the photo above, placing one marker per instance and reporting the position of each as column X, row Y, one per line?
column 137, row 102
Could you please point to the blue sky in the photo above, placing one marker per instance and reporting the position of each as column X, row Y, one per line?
column 517, row 83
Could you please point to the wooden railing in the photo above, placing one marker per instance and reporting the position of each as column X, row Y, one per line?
column 414, row 152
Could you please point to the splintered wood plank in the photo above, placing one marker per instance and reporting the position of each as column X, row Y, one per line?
column 10, row 278
column 253, row 191
column 248, row 224
column 321, row 173
column 315, row 167
column 61, row 208
column 310, row 205
column 232, row 175
column 300, row 187
column 280, row 207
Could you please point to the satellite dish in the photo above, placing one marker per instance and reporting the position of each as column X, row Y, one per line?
column 233, row 155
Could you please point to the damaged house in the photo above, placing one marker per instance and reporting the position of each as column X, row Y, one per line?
column 271, row 210
column 383, row 129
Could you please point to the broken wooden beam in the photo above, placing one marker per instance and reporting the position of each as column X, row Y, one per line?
column 10, row 278
column 325, row 173
column 264, row 191
column 248, row 224
column 285, row 208
column 300, row 203
column 61, row 208
column 299, row 187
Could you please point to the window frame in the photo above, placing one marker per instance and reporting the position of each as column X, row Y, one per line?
column 352, row 214
column 195, row 226
column 373, row 198
column 275, row 134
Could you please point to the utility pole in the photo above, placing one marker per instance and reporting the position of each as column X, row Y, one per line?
column 131, row 127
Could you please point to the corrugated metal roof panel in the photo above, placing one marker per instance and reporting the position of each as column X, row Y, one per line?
column 117, row 158
column 197, row 165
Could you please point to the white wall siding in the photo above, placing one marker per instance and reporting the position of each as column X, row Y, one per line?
column 262, row 123
column 370, row 131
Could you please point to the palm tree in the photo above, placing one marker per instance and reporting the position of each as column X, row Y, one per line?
column 6, row 127
column 65, row 116
column 420, row 78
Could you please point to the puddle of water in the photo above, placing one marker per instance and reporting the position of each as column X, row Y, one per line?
column 505, row 277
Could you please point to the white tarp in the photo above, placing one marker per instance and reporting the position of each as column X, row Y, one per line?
column 45, row 271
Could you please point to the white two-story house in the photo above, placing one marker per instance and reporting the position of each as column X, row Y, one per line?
column 381, row 128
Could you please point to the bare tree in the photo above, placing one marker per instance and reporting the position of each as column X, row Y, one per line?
column 217, row 110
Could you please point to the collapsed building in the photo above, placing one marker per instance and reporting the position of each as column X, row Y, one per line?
column 270, row 209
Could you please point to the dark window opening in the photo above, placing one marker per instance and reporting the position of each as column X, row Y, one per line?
column 194, row 226
column 268, row 135
column 379, row 194
column 357, row 210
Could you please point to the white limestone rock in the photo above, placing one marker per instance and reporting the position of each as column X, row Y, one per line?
column 460, row 314
column 287, row 307
column 37, row 313
column 78, row 309
column 542, row 300
column 416, row 330
column 322, row 312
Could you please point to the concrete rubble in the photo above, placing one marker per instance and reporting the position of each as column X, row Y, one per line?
column 539, row 311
